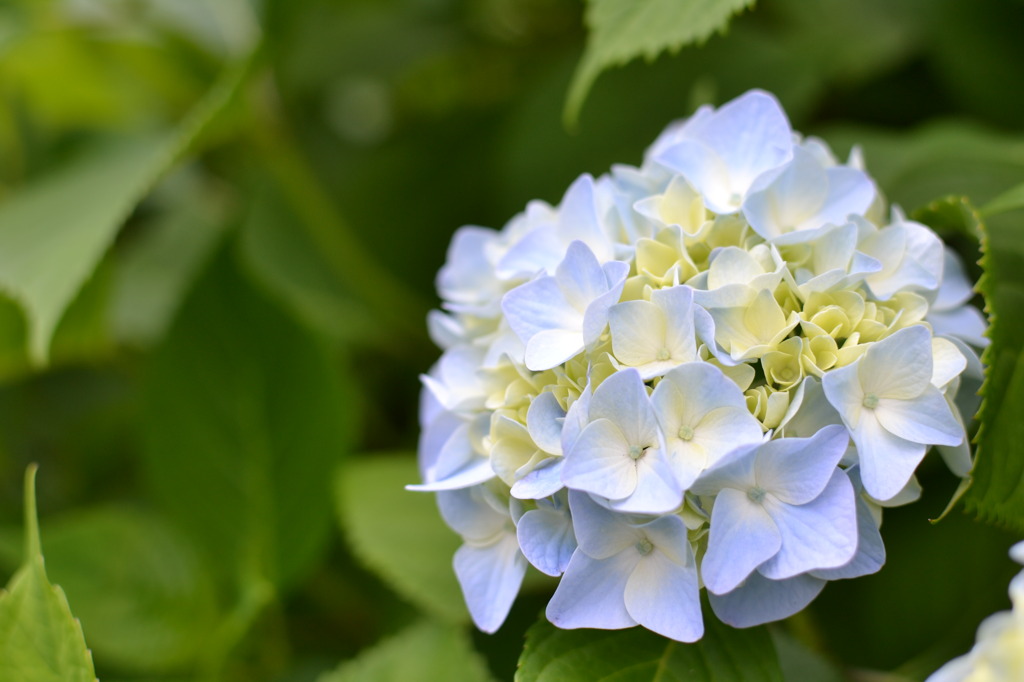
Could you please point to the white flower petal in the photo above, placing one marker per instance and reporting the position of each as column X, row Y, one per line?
column 796, row 470
column 579, row 276
column 599, row 462
column 638, row 332
column 925, row 419
column 947, row 362
column 535, row 306
column 579, row 219
column 656, row 491
column 899, row 366
column 664, row 597
column 819, row 534
column 742, row 537
column 843, row 390
column 622, row 399
column 886, row 461
column 552, row 347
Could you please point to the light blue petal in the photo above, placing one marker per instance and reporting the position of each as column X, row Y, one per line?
column 595, row 319
column 870, row 554
column 601, row 532
column 820, row 534
column 734, row 470
column 490, row 577
column 664, row 597
column 544, row 422
column 599, row 462
column 580, row 277
column 886, row 461
column 535, row 306
column 544, row 481
column 469, row 513
column 657, row 490
column 796, row 470
column 742, row 537
column 591, row 593
column 547, row 539
column 477, row 470
column 760, row 600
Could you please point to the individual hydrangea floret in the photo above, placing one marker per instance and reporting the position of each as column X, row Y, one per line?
column 710, row 372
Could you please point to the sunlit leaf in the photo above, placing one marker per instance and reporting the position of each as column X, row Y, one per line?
column 54, row 231
column 246, row 415
column 636, row 655
column 423, row 652
column 399, row 534
column 39, row 638
column 622, row 30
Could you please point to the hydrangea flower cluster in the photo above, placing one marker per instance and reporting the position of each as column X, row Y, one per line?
column 999, row 652
column 712, row 371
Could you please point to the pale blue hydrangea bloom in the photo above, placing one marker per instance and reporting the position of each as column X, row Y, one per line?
column 712, row 371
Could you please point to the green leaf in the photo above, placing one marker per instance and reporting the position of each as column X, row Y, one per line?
column 55, row 231
column 423, row 652
column 400, row 534
column 246, row 416
column 722, row 655
column 622, row 30
column 290, row 265
column 155, row 269
column 149, row 611
column 935, row 160
column 40, row 641
column 1009, row 200
column 997, row 492
column 799, row 662
column 951, row 215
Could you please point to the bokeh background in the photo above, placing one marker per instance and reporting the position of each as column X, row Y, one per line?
column 227, row 409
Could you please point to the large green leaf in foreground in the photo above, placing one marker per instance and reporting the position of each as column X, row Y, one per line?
column 638, row 655
column 424, row 652
column 40, row 641
column 246, row 416
column 622, row 30
column 399, row 534
column 997, row 491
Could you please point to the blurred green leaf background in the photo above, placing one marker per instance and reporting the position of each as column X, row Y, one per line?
column 220, row 221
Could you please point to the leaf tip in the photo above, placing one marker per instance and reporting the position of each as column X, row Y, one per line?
column 33, row 547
